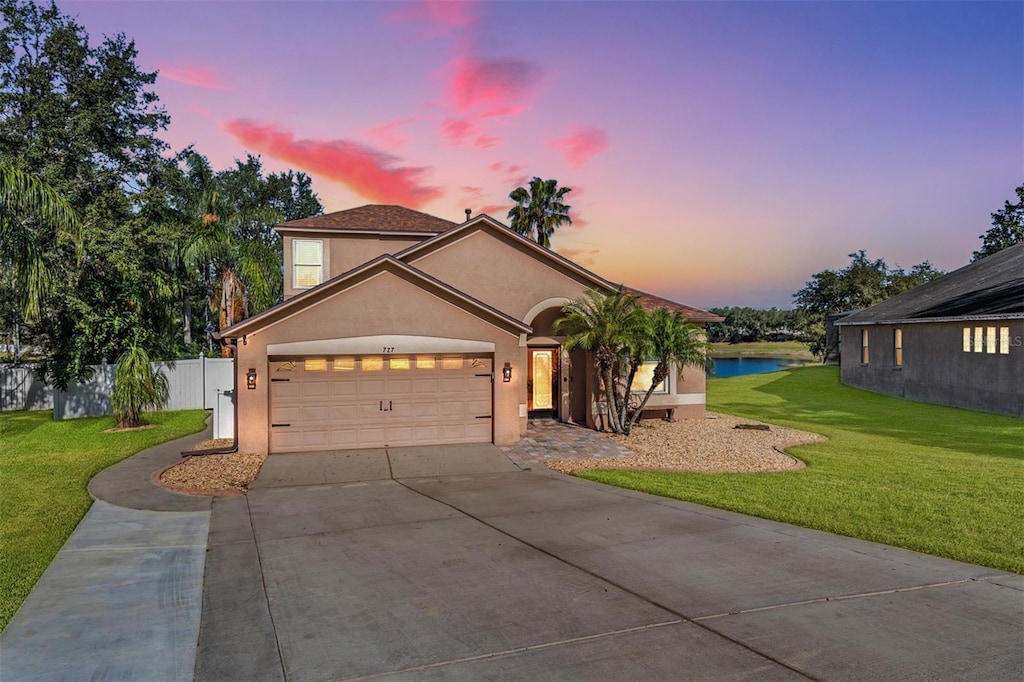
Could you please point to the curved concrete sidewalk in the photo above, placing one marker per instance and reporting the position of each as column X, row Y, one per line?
column 122, row 598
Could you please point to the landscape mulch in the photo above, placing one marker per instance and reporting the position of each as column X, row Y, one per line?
column 718, row 444
column 227, row 474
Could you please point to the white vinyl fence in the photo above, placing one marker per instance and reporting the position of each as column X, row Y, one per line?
column 193, row 384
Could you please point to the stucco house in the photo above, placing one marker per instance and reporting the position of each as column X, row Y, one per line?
column 401, row 328
column 956, row 340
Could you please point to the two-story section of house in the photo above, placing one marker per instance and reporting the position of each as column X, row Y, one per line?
column 401, row 328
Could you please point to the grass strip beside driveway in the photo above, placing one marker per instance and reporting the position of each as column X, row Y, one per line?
column 934, row 479
column 45, row 466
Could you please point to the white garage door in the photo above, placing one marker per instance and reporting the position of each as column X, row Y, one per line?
column 343, row 402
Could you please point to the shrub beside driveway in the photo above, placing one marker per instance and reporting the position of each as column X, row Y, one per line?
column 934, row 479
column 45, row 467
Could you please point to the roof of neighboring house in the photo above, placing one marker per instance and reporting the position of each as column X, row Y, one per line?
column 992, row 286
column 373, row 218
column 651, row 302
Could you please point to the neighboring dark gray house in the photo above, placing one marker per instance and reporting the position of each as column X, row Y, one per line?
column 957, row 340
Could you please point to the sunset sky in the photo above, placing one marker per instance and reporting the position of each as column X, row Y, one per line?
column 719, row 152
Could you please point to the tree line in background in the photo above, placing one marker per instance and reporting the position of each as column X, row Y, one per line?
column 110, row 243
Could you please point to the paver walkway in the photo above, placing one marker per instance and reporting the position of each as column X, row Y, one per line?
column 548, row 440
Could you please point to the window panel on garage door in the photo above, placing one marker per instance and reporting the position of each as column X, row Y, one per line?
column 350, row 402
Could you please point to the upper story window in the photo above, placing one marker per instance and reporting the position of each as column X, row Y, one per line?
column 307, row 263
column 864, row 355
column 897, row 348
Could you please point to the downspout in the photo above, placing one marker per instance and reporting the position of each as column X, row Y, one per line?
column 229, row 449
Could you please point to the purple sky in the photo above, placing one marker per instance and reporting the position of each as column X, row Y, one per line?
column 720, row 152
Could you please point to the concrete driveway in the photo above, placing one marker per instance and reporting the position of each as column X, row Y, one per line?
column 452, row 563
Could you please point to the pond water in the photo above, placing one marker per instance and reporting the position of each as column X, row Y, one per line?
column 734, row 367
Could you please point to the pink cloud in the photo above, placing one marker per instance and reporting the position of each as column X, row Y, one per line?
column 368, row 172
column 497, row 84
column 436, row 17
column 471, row 191
column 459, row 131
column 196, row 75
column 389, row 135
column 199, row 109
column 582, row 143
column 486, row 141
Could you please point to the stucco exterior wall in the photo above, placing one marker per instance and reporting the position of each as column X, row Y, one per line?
column 384, row 304
column 343, row 252
column 935, row 367
column 498, row 273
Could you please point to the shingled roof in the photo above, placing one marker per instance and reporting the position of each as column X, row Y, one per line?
column 992, row 286
column 373, row 218
column 651, row 302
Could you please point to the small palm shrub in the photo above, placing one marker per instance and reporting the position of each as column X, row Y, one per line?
column 137, row 387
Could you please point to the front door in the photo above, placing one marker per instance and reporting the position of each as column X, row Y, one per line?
column 542, row 382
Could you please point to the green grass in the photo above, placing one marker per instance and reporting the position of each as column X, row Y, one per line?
column 762, row 349
column 45, row 467
column 934, row 479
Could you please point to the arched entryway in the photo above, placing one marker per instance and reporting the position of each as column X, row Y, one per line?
column 556, row 385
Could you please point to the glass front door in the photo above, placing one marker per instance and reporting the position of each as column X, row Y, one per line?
column 543, row 380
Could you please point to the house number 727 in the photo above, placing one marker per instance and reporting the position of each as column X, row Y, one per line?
column 389, row 349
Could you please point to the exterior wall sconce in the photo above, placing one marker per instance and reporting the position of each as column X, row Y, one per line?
column 506, row 373
column 250, row 379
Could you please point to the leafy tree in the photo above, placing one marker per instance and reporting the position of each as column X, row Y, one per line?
column 862, row 283
column 1007, row 228
column 743, row 324
column 24, row 200
column 84, row 120
column 539, row 210
column 137, row 387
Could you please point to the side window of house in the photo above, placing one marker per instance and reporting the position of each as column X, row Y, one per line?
column 645, row 376
column 897, row 347
column 864, row 356
column 307, row 263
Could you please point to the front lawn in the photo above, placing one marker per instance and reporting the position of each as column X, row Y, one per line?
column 45, row 467
column 934, row 479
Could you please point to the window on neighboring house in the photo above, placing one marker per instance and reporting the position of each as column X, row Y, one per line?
column 967, row 339
column 990, row 340
column 864, row 355
column 897, row 347
column 978, row 339
column 1004, row 340
column 307, row 263
column 644, row 377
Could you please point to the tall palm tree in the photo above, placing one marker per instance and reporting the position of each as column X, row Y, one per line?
column 241, row 276
column 539, row 210
column 671, row 340
column 23, row 198
column 607, row 325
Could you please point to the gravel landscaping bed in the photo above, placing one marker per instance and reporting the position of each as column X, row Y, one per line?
column 213, row 474
column 705, row 445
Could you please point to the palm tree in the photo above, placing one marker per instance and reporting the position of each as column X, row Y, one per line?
column 539, row 210
column 671, row 340
column 137, row 386
column 239, row 276
column 22, row 198
column 607, row 325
